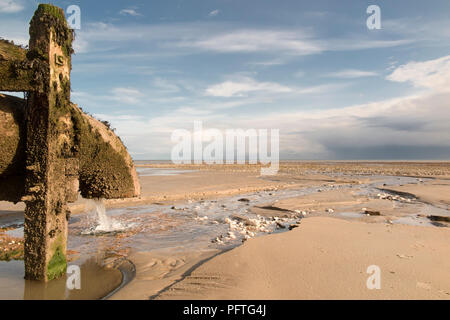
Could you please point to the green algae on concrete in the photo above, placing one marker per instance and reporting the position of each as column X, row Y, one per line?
column 48, row 16
column 9, row 51
column 105, row 166
column 57, row 265
column 15, row 70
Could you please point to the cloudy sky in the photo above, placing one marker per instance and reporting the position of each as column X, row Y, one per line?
column 312, row 69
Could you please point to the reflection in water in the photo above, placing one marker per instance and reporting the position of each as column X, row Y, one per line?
column 145, row 172
column 96, row 283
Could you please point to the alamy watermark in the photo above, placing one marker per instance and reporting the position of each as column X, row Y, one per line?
column 73, row 281
column 374, row 20
column 374, row 281
column 74, row 17
column 230, row 146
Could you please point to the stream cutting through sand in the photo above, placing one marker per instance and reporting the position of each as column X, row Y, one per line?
column 214, row 224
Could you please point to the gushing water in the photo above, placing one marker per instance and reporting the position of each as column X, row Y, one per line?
column 102, row 223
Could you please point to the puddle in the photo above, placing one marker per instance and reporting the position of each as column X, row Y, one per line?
column 96, row 283
column 416, row 221
column 15, row 233
column 145, row 172
column 351, row 214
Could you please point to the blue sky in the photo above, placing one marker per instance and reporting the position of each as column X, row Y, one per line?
column 312, row 69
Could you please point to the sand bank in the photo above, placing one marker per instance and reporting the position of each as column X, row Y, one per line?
column 327, row 258
column 435, row 192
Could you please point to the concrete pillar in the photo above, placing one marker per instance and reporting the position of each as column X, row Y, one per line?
column 51, row 163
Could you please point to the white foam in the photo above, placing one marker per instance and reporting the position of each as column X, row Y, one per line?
column 103, row 223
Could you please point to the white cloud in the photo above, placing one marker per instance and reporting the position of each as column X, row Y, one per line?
column 299, row 74
column 277, row 44
column 417, row 123
column 164, row 85
column 214, row 13
column 432, row 74
column 413, row 121
column 345, row 44
column 80, row 45
column 244, row 86
column 351, row 74
column 268, row 63
column 129, row 12
column 129, row 96
column 420, row 28
column 11, row 6
column 252, row 40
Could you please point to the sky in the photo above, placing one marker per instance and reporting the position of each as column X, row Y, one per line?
column 312, row 69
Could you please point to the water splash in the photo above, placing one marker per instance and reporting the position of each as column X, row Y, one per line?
column 102, row 222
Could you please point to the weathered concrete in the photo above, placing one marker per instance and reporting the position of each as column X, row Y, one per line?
column 105, row 169
column 12, row 148
column 50, row 149
column 16, row 72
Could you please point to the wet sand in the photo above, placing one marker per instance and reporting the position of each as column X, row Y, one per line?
column 327, row 258
column 348, row 222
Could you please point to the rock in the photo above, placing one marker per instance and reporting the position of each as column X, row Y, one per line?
column 275, row 209
column 439, row 218
column 372, row 212
column 301, row 212
column 280, row 226
column 217, row 240
column 293, row 226
column 329, row 210
column 244, row 220
column 231, row 235
column 244, row 200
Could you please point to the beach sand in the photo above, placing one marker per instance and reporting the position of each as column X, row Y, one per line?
column 325, row 257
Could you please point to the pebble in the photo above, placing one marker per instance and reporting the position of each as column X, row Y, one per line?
column 280, row 226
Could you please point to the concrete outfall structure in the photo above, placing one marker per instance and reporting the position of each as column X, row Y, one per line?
column 49, row 149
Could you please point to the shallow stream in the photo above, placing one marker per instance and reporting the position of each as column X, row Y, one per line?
column 222, row 223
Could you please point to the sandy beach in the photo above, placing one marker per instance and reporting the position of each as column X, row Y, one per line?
column 224, row 150
column 309, row 232
column 327, row 258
